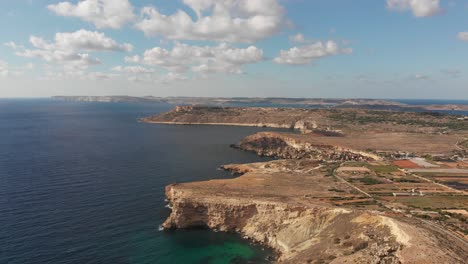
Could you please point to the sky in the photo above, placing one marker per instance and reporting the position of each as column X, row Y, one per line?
column 254, row 48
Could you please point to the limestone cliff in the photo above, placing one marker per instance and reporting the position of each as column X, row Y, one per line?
column 289, row 146
column 306, row 234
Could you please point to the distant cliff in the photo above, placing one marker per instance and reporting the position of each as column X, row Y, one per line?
column 106, row 99
column 300, row 119
column 371, row 104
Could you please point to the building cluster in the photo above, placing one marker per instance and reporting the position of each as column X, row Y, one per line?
column 413, row 192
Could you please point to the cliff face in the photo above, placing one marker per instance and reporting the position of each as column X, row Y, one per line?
column 304, row 234
column 290, row 230
column 290, row 147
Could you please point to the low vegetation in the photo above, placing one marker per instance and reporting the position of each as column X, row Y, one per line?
column 430, row 119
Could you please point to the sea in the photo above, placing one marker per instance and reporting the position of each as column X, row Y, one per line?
column 84, row 183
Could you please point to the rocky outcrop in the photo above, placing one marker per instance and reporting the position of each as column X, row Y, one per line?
column 286, row 146
column 288, row 229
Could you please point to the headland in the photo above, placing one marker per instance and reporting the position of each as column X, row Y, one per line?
column 349, row 185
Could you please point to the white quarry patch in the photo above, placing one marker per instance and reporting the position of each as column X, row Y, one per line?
column 342, row 211
column 396, row 230
column 423, row 163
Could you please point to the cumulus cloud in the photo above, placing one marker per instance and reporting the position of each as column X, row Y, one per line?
column 80, row 40
column 200, row 59
column 132, row 69
column 307, row 54
column 148, row 75
column 52, row 74
column 132, row 59
column 101, row 13
column 419, row 8
column 463, row 36
column 70, row 49
column 244, row 21
column 298, row 38
column 68, row 59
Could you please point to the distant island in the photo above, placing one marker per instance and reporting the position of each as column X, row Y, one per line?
column 293, row 102
column 348, row 185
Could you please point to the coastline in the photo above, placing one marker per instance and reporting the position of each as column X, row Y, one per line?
column 299, row 206
column 215, row 124
column 296, row 227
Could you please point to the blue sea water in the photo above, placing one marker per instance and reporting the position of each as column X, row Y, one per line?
column 84, row 183
column 431, row 101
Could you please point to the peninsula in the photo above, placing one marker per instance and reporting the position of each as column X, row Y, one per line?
column 376, row 104
column 348, row 185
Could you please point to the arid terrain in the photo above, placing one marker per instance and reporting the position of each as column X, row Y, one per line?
column 348, row 185
column 376, row 104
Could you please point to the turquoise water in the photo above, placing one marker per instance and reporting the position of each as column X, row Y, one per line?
column 84, row 183
column 188, row 247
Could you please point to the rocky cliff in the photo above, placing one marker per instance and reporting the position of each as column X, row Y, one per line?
column 308, row 234
column 289, row 146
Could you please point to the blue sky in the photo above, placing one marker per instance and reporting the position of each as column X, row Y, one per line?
column 291, row 48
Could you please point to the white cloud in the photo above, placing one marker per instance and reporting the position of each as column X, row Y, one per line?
column 171, row 77
column 132, row 69
column 420, row 77
column 226, row 21
column 89, row 41
column 4, row 69
column 101, row 13
column 74, row 60
column 70, row 49
column 307, row 54
column 7, row 70
column 420, row 8
column 53, row 74
column 80, row 40
column 132, row 59
column 13, row 45
column 298, row 38
column 463, row 36
column 204, row 60
column 148, row 75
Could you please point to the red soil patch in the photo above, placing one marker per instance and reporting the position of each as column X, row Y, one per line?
column 406, row 164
